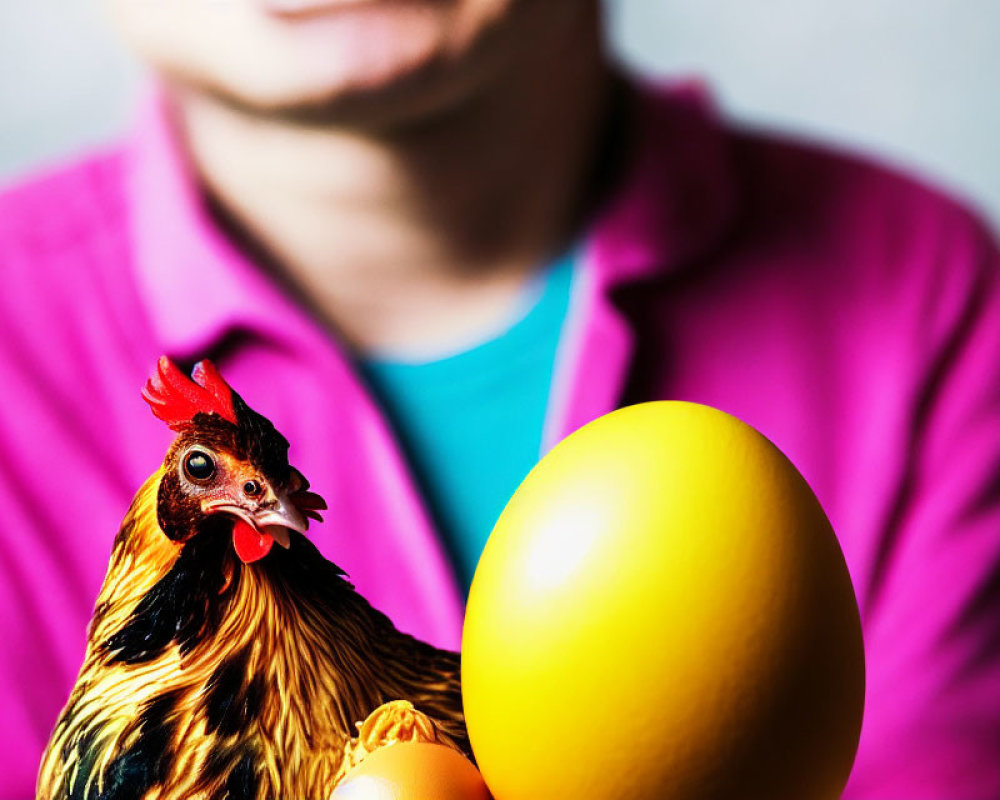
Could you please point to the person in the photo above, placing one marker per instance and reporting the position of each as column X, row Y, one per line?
column 430, row 238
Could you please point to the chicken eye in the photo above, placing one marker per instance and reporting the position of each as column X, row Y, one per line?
column 252, row 488
column 198, row 465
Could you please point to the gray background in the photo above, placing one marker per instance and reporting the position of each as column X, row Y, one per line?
column 912, row 81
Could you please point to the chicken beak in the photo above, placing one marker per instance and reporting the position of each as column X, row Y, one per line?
column 277, row 517
column 263, row 519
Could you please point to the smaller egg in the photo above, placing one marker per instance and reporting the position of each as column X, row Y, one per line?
column 413, row 771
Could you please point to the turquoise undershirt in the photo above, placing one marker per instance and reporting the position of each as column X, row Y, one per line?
column 471, row 423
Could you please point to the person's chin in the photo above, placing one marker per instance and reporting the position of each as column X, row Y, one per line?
column 348, row 65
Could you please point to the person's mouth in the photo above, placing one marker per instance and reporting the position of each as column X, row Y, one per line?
column 305, row 8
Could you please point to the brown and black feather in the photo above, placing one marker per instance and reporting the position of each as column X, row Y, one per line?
column 209, row 679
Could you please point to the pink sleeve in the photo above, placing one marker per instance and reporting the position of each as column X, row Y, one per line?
column 932, row 727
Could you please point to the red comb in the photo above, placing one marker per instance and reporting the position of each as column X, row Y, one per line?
column 175, row 398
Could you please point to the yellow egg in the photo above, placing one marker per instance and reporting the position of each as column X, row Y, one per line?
column 663, row 612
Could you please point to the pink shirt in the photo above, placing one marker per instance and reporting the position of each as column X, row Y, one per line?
column 850, row 314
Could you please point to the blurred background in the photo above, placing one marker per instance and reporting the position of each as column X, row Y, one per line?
column 911, row 81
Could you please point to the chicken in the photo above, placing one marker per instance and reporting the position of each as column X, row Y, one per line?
column 218, row 665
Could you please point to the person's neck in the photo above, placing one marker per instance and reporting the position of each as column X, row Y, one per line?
column 413, row 241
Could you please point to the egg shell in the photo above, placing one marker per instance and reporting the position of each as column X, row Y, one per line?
column 413, row 771
column 663, row 611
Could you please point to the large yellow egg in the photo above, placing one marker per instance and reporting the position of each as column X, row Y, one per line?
column 661, row 613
